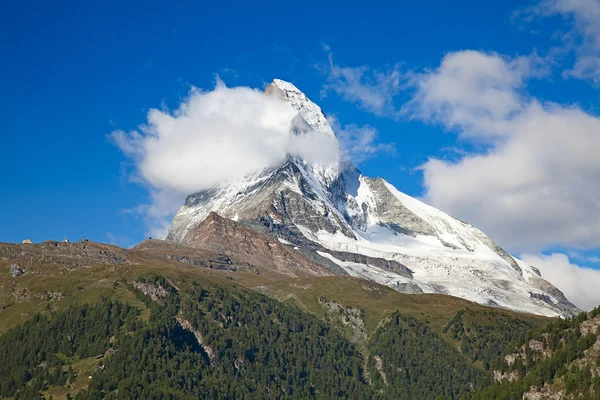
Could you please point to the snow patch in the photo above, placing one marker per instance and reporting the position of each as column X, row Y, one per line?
column 285, row 241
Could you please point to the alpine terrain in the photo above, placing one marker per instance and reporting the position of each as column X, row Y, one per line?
column 303, row 281
column 341, row 222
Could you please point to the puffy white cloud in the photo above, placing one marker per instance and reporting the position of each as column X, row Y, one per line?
column 372, row 90
column 537, row 184
column 580, row 285
column 583, row 37
column 214, row 136
column 472, row 91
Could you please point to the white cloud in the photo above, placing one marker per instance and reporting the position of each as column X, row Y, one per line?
column 580, row 285
column 359, row 143
column 538, row 182
column 584, row 35
column 372, row 90
column 213, row 136
column 473, row 91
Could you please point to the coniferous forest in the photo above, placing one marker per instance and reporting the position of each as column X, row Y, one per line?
column 222, row 342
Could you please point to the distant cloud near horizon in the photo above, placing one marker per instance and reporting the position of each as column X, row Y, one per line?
column 580, row 285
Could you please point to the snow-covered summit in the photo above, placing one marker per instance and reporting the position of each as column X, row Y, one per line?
column 309, row 111
column 368, row 228
column 310, row 117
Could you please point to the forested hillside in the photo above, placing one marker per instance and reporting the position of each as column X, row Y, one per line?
column 561, row 361
column 38, row 354
column 219, row 341
column 484, row 335
column 410, row 361
column 93, row 322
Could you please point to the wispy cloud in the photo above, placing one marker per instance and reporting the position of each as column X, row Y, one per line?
column 576, row 255
column 230, row 71
column 582, row 37
column 359, row 143
column 371, row 89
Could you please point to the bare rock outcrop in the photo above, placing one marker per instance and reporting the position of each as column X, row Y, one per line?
column 16, row 270
column 348, row 318
column 185, row 324
column 241, row 242
column 154, row 290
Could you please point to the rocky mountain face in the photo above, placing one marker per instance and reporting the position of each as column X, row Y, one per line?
column 331, row 219
column 255, row 248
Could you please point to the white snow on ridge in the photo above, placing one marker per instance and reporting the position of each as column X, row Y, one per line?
column 229, row 196
column 368, row 272
column 309, row 111
column 448, row 228
column 283, row 241
column 312, row 117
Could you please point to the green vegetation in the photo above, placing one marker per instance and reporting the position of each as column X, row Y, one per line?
column 484, row 335
column 201, row 334
column 380, row 301
column 33, row 354
column 256, row 348
column 559, row 357
column 417, row 363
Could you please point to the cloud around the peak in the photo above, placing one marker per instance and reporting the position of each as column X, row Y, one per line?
column 538, row 182
column 580, row 285
column 213, row 136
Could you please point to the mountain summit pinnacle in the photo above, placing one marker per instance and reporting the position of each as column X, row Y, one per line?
column 309, row 111
column 360, row 226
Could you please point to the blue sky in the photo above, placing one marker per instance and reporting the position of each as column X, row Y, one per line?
column 73, row 72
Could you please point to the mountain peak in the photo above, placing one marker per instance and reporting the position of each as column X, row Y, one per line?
column 309, row 111
column 285, row 85
column 364, row 227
